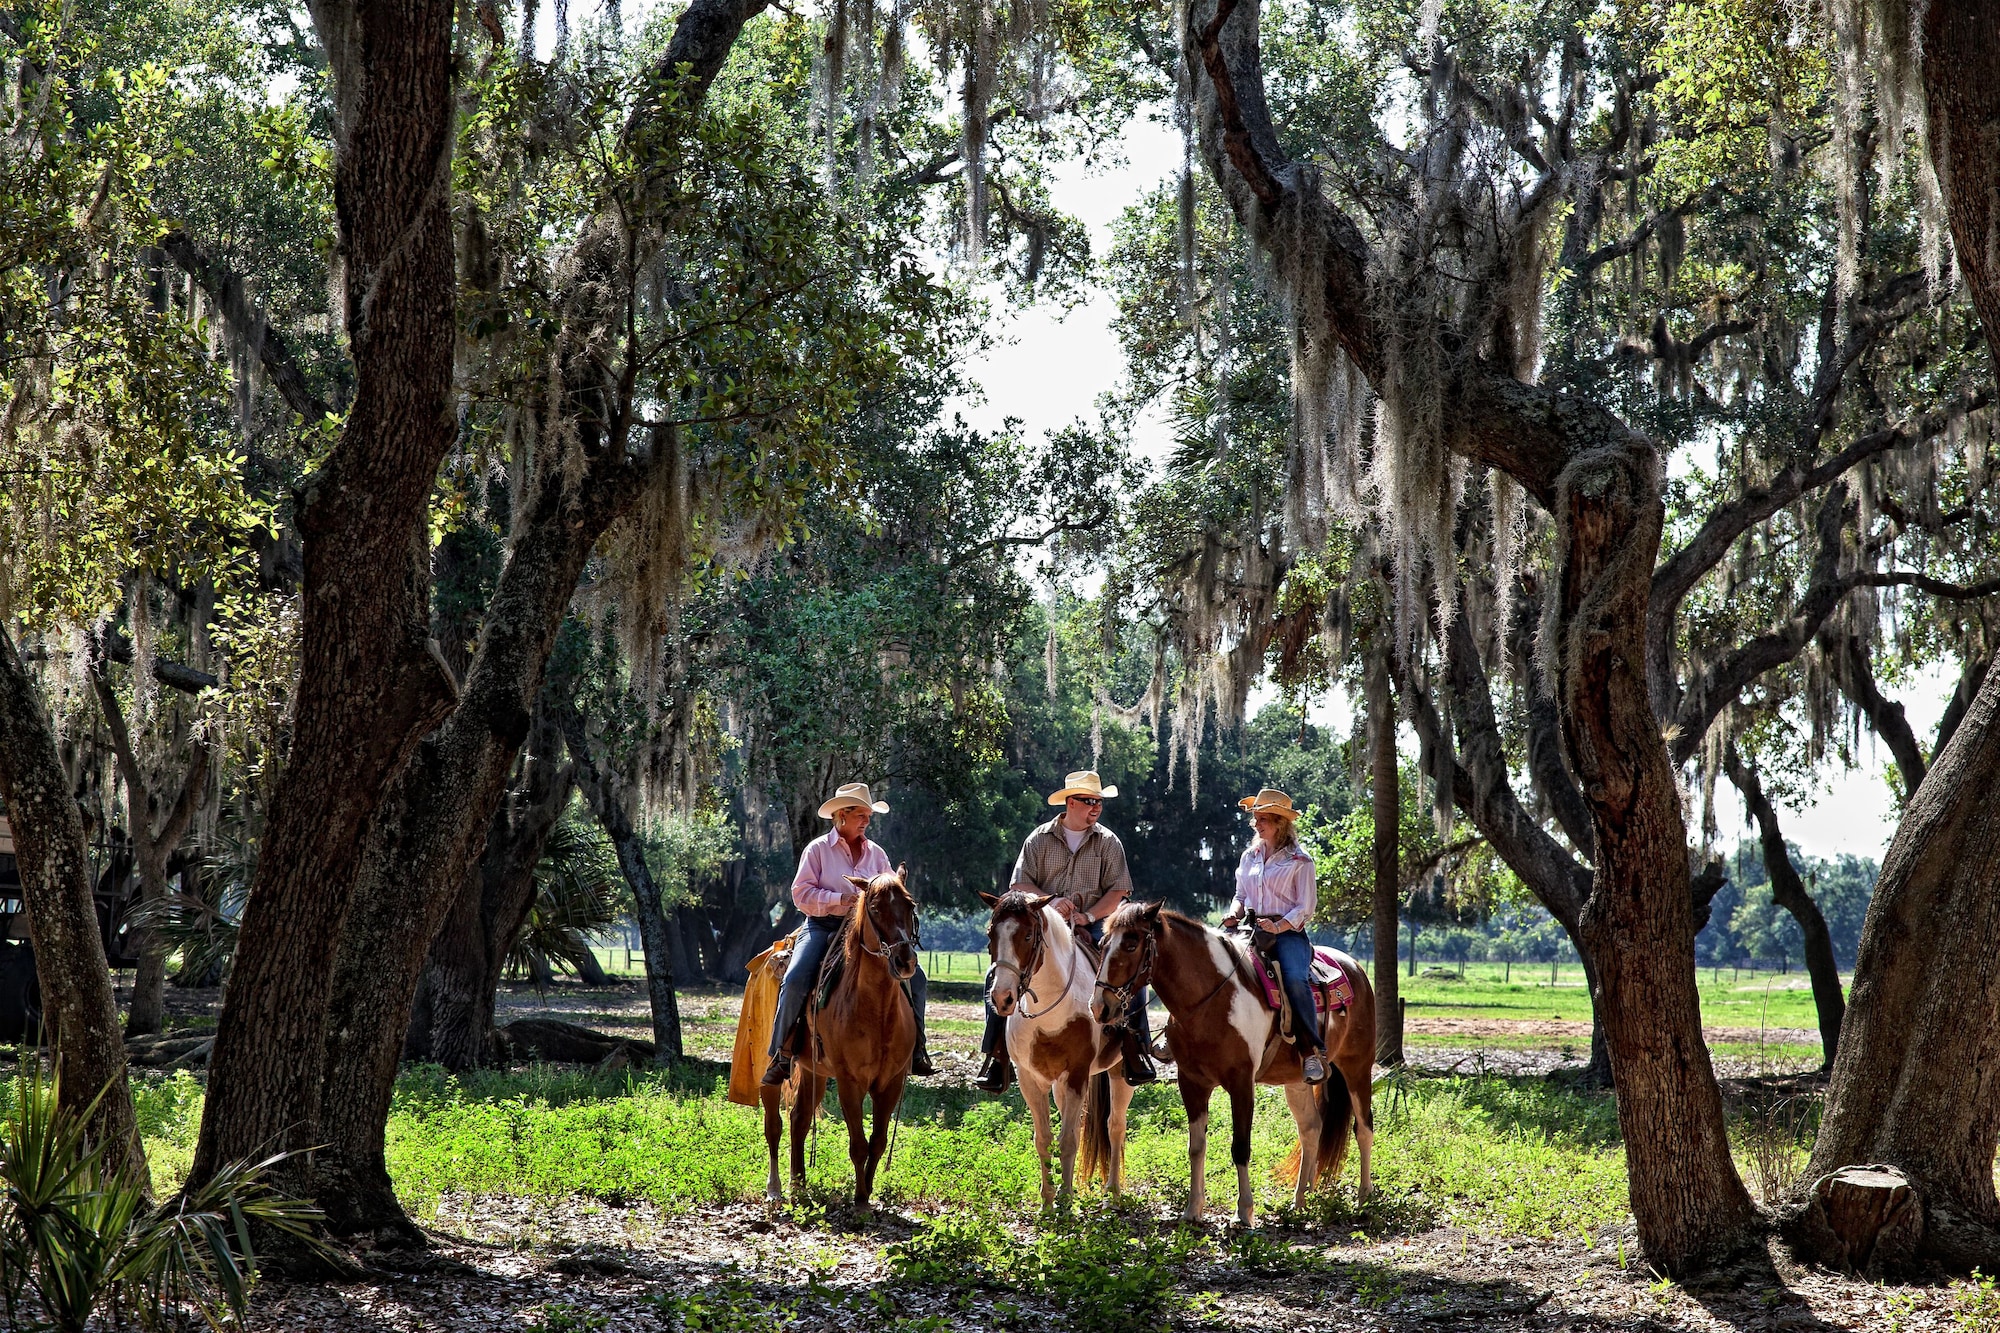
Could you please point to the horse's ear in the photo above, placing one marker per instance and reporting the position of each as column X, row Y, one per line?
column 858, row 882
column 1037, row 901
column 1151, row 911
column 903, row 871
column 989, row 900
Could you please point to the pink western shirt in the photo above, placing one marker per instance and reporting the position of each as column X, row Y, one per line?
column 1277, row 885
column 821, row 888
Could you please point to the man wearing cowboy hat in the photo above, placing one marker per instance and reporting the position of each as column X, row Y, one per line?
column 1081, row 865
column 1275, row 889
column 821, row 891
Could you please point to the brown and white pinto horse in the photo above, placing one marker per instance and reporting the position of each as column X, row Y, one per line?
column 1223, row 1035
column 862, row 1038
column 1042, row 986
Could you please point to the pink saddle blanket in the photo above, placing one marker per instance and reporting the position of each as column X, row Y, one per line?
column 1331, row 988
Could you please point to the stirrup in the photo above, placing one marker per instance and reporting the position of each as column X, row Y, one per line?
column 1315, row 1068
column 779, row 1072
column 995, row 1074
column 920, row 1063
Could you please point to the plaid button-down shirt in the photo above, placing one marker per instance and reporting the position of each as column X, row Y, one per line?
column 1095, row 868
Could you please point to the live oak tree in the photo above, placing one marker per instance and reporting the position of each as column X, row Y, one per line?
column 1427, row 274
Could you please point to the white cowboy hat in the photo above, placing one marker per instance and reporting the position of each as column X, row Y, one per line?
column 1082, row 783
column 1269, row 801
column 852, row 796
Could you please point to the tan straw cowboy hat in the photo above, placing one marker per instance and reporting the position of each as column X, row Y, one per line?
column 1083, row 783
column 1269, row 801
column 852, row 796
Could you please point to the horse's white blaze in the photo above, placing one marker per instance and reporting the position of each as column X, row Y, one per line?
column 1006, row 982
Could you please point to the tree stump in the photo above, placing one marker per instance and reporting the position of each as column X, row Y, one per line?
column 1864, row 1219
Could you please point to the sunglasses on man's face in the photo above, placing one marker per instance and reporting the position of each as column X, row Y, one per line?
column 1091, row 801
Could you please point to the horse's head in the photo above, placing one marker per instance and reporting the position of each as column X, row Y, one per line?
column 885, row 921
column 1131, row 943
column 1016, row 940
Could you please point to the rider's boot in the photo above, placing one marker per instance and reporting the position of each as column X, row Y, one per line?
column 995, row 1073
column 1138, row 1065
column 1315, row 1066
column 920, row 1059
column 779, row 1072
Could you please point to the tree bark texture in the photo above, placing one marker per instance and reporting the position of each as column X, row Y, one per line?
column 1600, row 481
column 657, row 928
column 155, row 838
column 383, row 954
column 1789, row 892
column 1384, row 791
column 371, row 683
column 79, row 1010
column 1638, row 924
column 1916, row 1082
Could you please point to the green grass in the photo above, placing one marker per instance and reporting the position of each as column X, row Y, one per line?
column 1492, row 1154
column 1748, row 1000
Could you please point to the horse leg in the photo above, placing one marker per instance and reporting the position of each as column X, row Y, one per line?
column 886, row 1100
column 1035, row 1092
column 1195, row 1099
column 1242, row 1107
column 1121, row 1098
column 1361, row 1092
column 851, row 1092
column 1305, row 1116
column 805, row 1105
column 1069, row 1104
column 774, row 1133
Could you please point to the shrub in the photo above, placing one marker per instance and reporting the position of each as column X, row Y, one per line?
column 77, row 1236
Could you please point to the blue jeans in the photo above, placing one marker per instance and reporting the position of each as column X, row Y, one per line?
column 802, row 974
column 996, row 1026
column 1294, row 953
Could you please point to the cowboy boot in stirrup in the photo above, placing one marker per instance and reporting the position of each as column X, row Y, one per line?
column 920, row 1059
column 1315, row 1067
column 995, row 1073
column 779, row 1072
column 1138, row 1065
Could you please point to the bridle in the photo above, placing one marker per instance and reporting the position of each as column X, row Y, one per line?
column 1036, row 951
column 1121, row 996
column 1149, row 952
column 903, row 940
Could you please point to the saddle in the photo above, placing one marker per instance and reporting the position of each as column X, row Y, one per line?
column 1332, row 990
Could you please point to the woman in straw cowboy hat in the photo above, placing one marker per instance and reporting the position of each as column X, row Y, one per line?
column 1081, row 864
column 1275, row 888
column 821, row 891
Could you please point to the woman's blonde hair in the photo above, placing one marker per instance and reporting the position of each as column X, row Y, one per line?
column 1287, row 834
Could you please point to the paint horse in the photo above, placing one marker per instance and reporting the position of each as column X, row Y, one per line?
column 861, row 1037
column 1224, row 1035
column 1042, row 984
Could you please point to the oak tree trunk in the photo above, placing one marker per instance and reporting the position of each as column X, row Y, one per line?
column 657, row 929
column 1789, row 892
column 1637, row 925
column 371, row 683
column 1916, row 1081
column 79, row 1010
column 1384, row 795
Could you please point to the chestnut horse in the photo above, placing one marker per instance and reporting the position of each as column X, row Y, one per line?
column 1042, row 985
column 862, row 1038
column 1223, row 1035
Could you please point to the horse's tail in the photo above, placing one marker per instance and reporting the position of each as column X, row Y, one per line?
column 1336, row 1118
column 1097, row 1128
column 1336, row 1122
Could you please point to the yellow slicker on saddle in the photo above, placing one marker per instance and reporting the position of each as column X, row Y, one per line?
column 753, row 1023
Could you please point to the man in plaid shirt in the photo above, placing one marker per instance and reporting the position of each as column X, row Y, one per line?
column 1081, row 865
